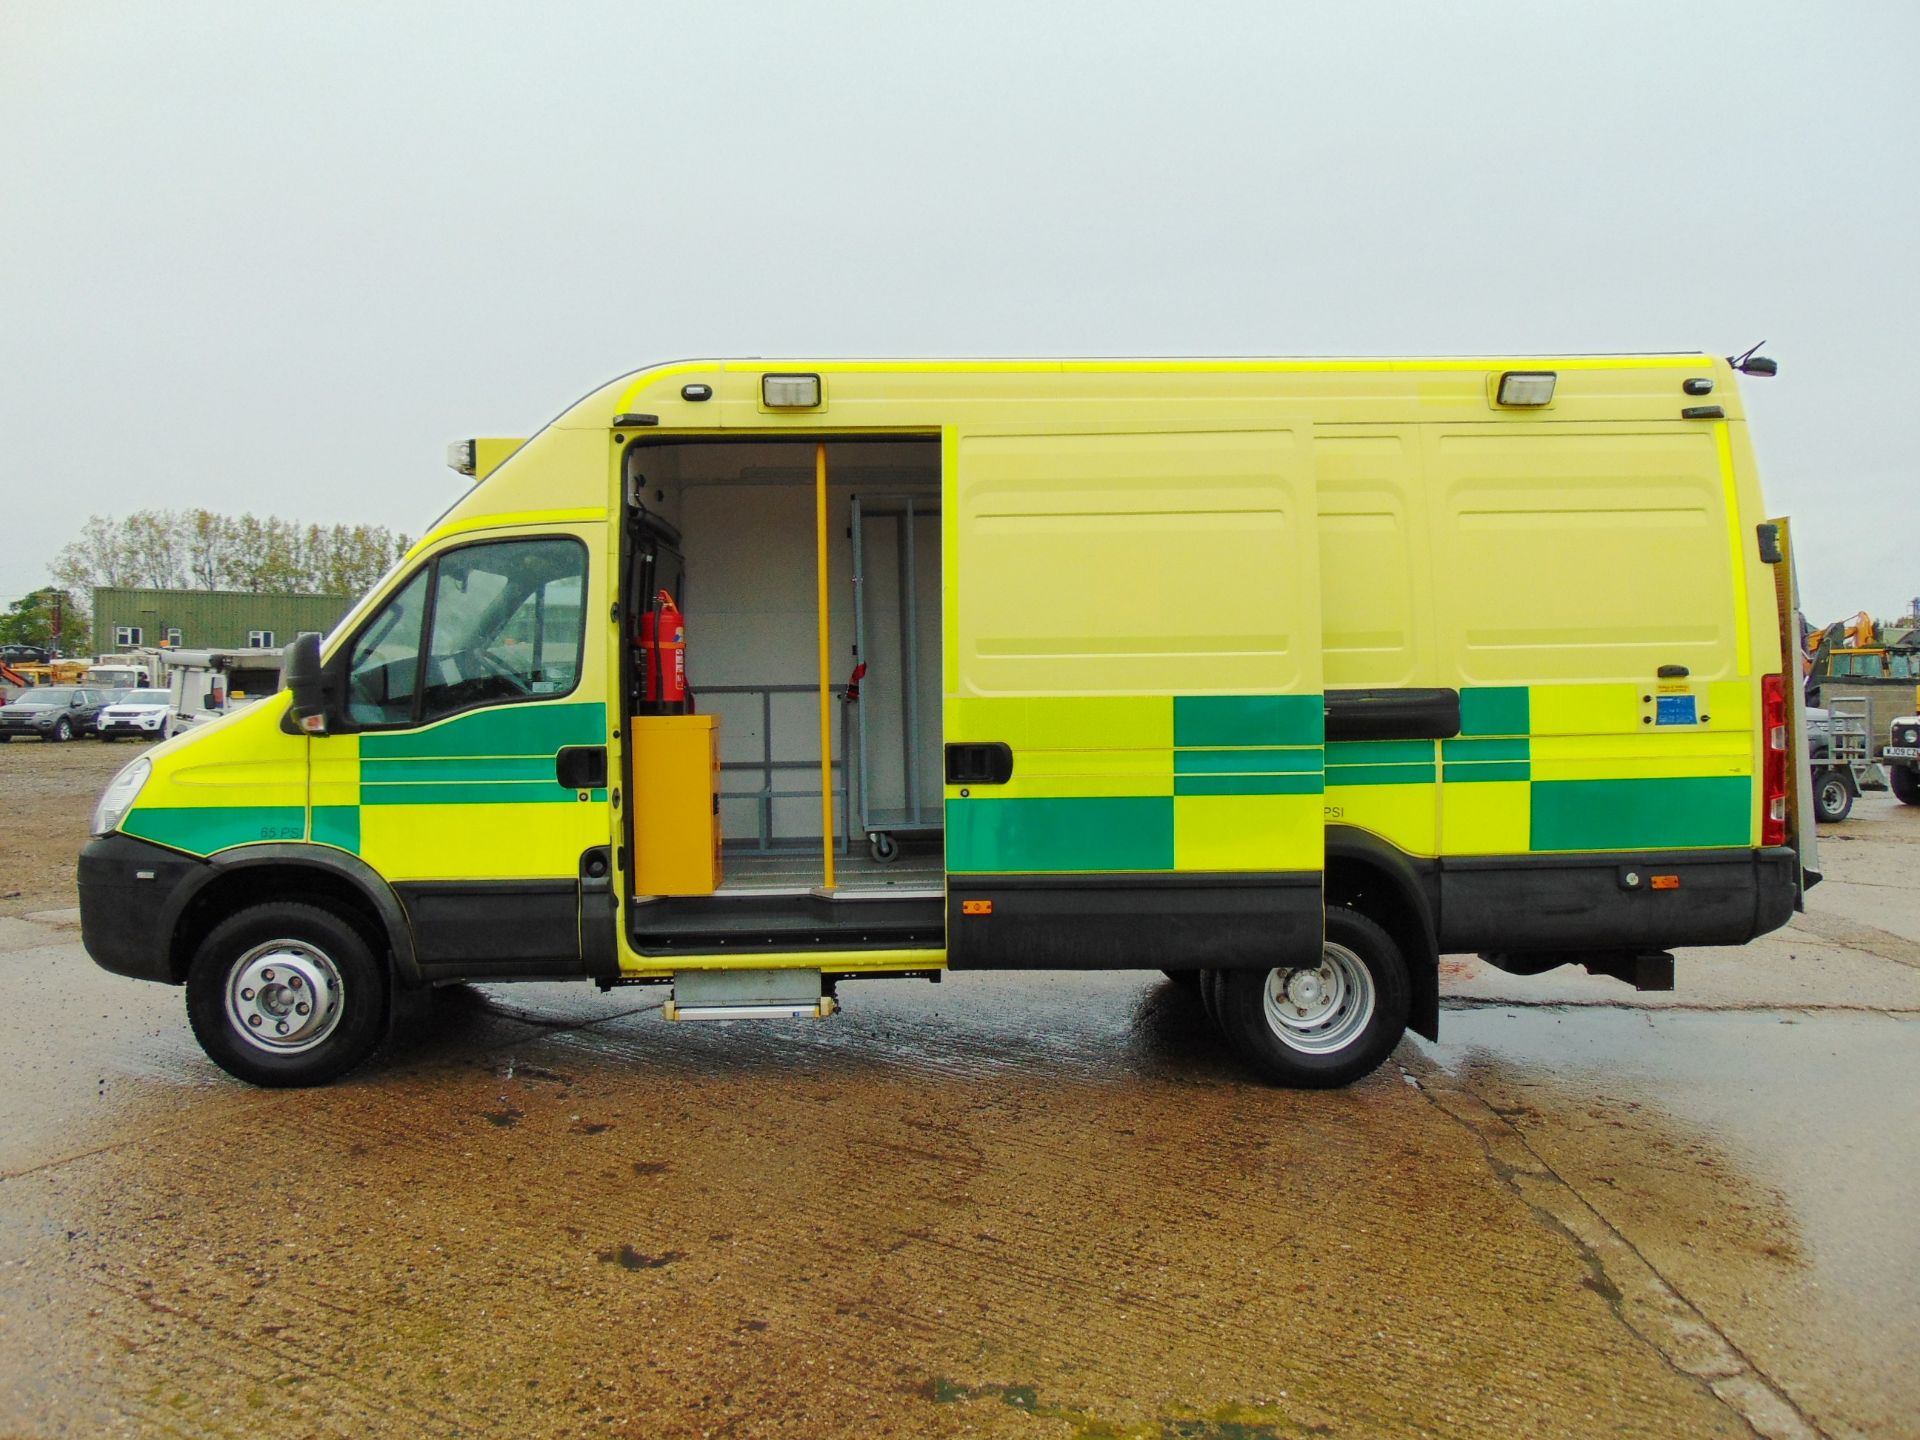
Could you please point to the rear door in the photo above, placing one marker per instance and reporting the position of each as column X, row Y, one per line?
column 1133, row 706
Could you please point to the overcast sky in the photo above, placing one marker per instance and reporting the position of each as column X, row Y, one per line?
column 274, row 256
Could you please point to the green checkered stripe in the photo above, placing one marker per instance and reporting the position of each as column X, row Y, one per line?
column 1495, row 744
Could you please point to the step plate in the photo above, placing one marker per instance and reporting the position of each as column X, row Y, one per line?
column 819, row 1010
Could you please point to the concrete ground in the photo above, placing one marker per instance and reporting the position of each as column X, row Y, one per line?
column 1033, row 1206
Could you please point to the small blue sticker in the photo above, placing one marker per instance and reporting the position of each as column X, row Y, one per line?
column 1675, row 710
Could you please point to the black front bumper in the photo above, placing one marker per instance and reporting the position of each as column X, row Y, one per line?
column 130, row 893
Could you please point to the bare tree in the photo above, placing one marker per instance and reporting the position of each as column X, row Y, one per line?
column 173, row 549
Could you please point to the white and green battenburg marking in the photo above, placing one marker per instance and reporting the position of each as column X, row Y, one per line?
column 502, row 756
column 1272, row 745
column 1243, row 746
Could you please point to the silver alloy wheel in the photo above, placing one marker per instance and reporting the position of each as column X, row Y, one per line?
column 284, row 996
column 1320, row 1009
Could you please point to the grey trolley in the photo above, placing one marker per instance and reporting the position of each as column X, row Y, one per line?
column 894, row 721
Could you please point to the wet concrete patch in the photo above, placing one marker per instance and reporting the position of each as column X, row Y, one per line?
column 1750, row 1175
column 1100, row 1214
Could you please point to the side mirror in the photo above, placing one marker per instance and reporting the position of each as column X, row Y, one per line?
column 306, row 678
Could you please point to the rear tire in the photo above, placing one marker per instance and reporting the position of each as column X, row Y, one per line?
column 1209, row 987
column 62, row 730
column 254, row 972
column 1832, row 798
column 1319, row 1027
column 1906, row 784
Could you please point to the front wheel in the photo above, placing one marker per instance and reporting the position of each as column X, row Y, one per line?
column 1325, row 1025
column 1906, row 784
column 62, row 729
column 286, row 994
column 1832, row 798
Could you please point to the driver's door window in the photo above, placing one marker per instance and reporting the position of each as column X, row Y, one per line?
column 383, row 670
column 507, row 625
column 503, row 621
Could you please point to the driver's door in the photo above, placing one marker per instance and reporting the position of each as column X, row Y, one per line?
column 471, row 770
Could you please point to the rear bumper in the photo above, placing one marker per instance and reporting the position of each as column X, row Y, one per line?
column 1578, row 903
column 125, row 889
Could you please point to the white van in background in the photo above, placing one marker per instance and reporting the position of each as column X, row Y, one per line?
column 206, row 684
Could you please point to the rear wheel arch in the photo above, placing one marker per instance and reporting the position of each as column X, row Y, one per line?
column 1367, row 875
column 299, row 874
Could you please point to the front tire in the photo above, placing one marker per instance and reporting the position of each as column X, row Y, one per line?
column 1906, row 784
column 1832, row 798
column 286, row 995
column 62, row 730
column 1320, row 1026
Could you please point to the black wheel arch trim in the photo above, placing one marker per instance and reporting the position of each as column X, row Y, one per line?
column 363, row 877
column 1417, row 886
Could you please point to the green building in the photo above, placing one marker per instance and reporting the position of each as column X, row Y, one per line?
column 207, row 619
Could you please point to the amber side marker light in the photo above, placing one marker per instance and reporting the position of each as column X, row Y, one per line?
column 1666, row 882
column 976, row 907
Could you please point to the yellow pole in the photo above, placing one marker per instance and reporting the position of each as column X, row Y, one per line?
column 826, row 683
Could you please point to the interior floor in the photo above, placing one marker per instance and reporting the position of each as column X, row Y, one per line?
column 791, row 872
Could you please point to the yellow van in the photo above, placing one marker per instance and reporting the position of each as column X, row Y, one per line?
column 1283, row 677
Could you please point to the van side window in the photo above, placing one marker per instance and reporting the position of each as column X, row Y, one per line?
column 508, row 624
column 382, row 672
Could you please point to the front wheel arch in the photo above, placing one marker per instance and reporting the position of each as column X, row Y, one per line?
column 300, row 873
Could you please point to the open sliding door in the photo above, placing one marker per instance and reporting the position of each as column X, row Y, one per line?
column 1134, row 718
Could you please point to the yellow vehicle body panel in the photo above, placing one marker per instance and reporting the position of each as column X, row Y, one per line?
column 1547, row 564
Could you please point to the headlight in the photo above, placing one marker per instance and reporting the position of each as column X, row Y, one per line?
column 119, row 797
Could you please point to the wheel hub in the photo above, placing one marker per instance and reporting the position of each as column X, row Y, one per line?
column 1307, row 990
column 1322, row 1008
column 284, row 996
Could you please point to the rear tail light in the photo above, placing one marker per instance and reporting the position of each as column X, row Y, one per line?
column 1773, row 769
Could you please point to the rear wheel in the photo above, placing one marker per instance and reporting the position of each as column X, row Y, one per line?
column 1209, row 991
column 1832, row 797
column 62, row 729
column 286, row 994
column 1906, row 784
column 1321, row 1025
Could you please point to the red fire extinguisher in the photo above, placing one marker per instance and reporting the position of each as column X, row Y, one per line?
column 663, row 650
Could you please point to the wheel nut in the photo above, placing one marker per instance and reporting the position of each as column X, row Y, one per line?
column 294, row 982
column 253, row 1020
column 302, row 1008
column 281, row 1028
column 246, row 994
column 266, row 975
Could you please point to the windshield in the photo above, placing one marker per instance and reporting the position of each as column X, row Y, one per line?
column 145, row 697
column 48, row 695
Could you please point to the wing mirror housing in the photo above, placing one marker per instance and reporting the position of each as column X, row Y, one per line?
column 310, row 713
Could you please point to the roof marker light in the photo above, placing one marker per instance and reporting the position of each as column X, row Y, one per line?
column 790, row 392
column 1526, row 387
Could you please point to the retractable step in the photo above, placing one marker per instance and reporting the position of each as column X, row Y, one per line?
column 748, row 995
column 744, row 923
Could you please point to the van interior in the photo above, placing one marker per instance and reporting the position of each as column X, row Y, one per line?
column 727, row 530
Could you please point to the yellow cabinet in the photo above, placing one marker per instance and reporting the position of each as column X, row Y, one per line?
column 675, row 803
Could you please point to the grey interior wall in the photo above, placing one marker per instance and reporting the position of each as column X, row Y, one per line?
column 751, row 608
